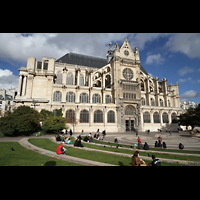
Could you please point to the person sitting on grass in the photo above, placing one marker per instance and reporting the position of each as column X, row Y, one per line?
column 60, row 149
column 146, row 146
column 136, row 161
column 155, row 162
column 115, row 140
column 69, row 141
column 78, row 143
column 181, row 146
column 91, row 139
column 58, row 138
column 86, row 138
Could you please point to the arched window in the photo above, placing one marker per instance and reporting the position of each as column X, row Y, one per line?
column 146, row 117
column 59, row 78
column 107, row 81
column 83, row 98
column 96, row 98
column 70, row 79
column 70, row 97
column 98, row 116
column 161, row 102
column 84, row 116
column 152, row 102
column 165, row 117
column 70, row 115
column 129, row 110
column 143, row 101
column 156, row 117
column 111, row 117
column 81, row 80
column 108, row 99
column 174, row 118
column 57, row 96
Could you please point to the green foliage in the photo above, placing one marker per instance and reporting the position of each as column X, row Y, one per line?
column 59, row 112
column 23, row 121
column 45, row 114
column 54, row 124
column 191, row 117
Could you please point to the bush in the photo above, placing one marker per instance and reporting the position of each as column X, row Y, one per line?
column 54, row 124
column 23, row 121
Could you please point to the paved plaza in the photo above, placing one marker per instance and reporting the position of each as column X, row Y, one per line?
column 172, row 141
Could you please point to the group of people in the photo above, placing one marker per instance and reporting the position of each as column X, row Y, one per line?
column 139, row 162
column 159, row 143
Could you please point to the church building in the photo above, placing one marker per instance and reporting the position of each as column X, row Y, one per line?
column 115, row 93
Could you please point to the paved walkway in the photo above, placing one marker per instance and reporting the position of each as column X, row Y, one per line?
column 24, row 142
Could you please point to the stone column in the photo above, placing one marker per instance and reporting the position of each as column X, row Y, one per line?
column 19, row 85
column 24, row 86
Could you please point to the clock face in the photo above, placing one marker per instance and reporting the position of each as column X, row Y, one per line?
column 126, row 53
column 127, row 74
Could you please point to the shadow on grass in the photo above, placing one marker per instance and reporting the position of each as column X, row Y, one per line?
column 50, row 163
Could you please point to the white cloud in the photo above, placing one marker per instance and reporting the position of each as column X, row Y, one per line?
column 5, row 72
column 189, row 94
column 8, row 80
column 187, row 43
column 154, row 59
column 185, row 70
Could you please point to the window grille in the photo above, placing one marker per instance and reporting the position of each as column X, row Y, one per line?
column 111, row 117
column 84, row 116
column 108, row 99
column 70, row 79
column 156, row 117
column 96, row 98
column 70, row 97
column 57, row 96
column 165, row 117
column 98, row 116
column 81, row 80
column 83, row 98
column 146, row 117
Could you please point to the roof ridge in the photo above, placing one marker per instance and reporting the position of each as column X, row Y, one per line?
column 87, row 55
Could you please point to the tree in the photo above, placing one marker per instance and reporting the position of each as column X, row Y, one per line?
column 54, row 124
column 23, row 121
column 45, row 114
column 191, row 117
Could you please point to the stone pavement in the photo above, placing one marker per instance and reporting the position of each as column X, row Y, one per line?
column 24, row 142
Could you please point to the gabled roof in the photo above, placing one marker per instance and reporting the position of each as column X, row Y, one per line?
column 84, row 60
column 143, row 70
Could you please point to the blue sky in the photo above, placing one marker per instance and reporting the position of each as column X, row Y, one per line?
column 175, row 56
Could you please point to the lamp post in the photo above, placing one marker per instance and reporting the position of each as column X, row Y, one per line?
column 35, row 103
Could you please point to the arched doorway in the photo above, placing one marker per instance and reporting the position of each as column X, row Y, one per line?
column 130, row 118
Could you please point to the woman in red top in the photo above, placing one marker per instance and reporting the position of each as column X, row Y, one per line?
column 139, row 140
column 60, row 149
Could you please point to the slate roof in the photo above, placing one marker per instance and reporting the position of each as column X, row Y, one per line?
column 85, row 60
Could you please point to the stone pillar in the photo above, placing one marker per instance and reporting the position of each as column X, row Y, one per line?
column 24, row 86
column 90, row 116
column 19, row 85
column 64, row 77
column 78, row 77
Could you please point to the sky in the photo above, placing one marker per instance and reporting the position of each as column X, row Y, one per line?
column 174, row 56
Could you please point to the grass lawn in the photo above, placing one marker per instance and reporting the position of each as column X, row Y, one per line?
column 142, row 153
column 89, row 155
column 25, row 157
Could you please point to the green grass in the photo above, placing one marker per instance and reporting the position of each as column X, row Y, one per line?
column 25, row 157
column 89, row 155
column 142, row 153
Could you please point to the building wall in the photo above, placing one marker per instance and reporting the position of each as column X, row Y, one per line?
column 121, row 78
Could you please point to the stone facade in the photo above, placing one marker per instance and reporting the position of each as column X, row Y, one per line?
column 118, row 96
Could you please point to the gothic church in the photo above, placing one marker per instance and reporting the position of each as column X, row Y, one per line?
column 115, row 94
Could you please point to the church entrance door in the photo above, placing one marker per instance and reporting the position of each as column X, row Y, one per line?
column 129, row 125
